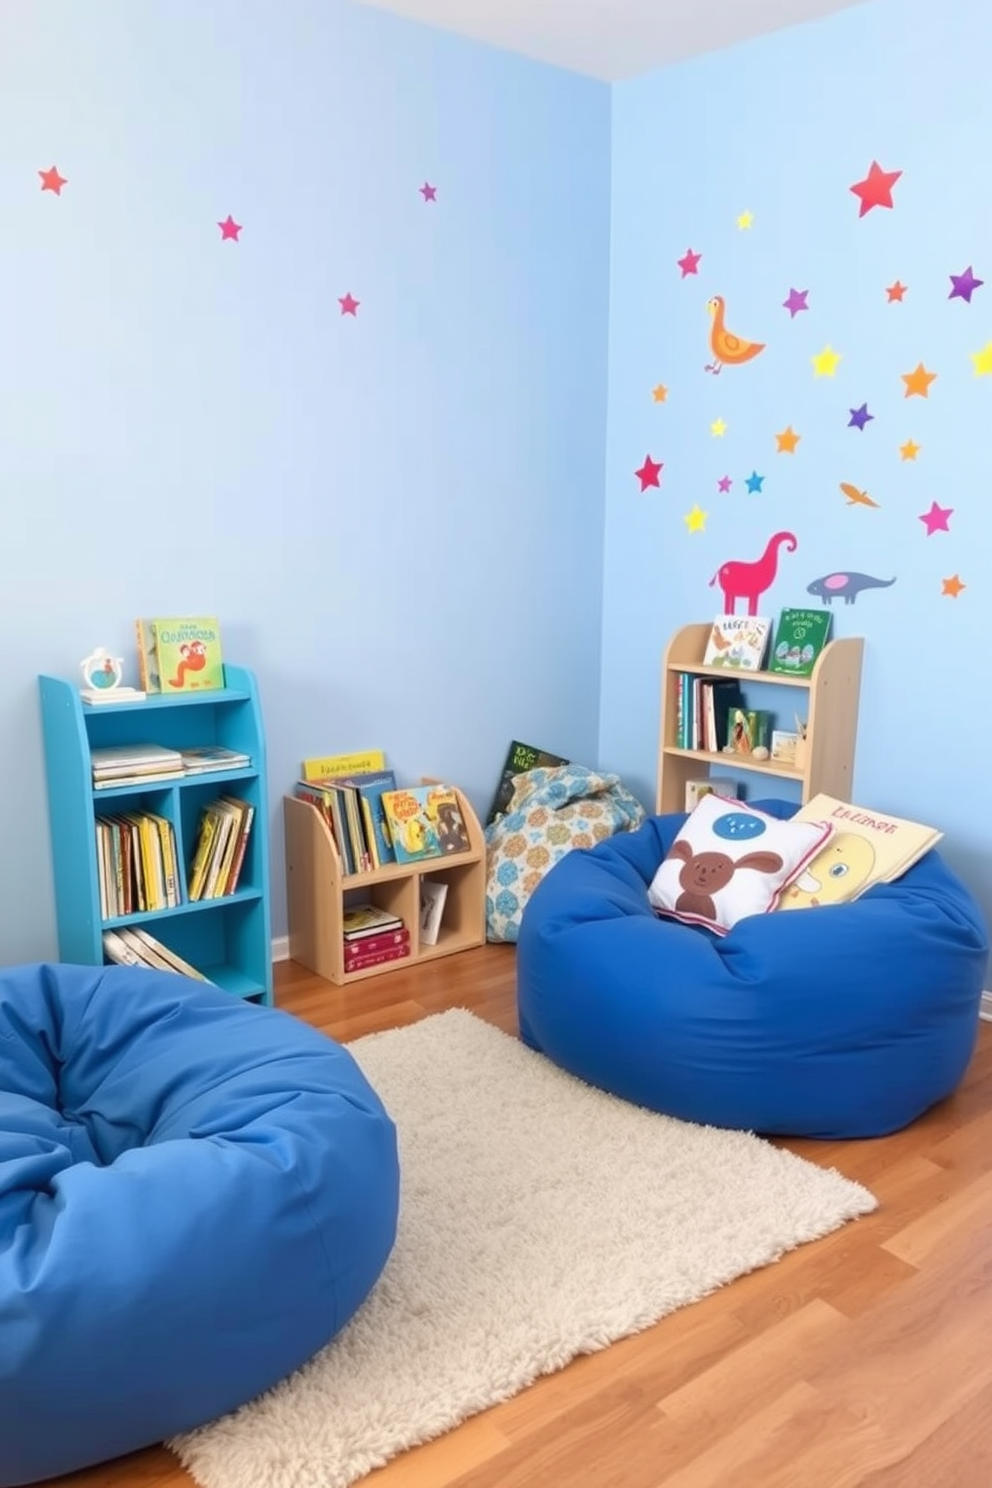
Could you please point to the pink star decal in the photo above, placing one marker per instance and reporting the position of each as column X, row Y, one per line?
column 349, row 305
column 724, row 484
column 650, row 472
column 690, row 263
column 229, row 228
column 876, row 188
column 52, row 181
column 428, row 192
column 796, row 302
column 937, row 519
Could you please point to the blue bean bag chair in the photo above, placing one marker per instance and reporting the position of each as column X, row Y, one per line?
column 848, row 1020
column 195, row 1195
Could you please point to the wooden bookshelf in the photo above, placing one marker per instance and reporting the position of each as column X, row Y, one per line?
column 828, row 697
column 318, row 889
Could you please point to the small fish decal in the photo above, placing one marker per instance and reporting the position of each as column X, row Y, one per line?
column 856, row 497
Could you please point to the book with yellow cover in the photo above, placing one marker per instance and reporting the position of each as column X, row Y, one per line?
column 188, row 652
column 333, row 766
column 864, row 848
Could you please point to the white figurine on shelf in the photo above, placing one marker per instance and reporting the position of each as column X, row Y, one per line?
column 102, row 675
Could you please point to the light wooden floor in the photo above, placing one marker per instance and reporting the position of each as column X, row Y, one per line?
column 860, row 1361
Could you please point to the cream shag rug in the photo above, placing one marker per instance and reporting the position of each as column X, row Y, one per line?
column 540, row 1219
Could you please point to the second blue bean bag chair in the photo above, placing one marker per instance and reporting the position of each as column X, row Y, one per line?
column 195, row 1195
column 848, row 1020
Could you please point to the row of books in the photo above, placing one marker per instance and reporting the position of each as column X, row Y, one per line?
column 739, row 642
column 374, row 822
column 219, row 852
column 704, row 710
column 179, row 654
column 137, row 865
column 116, row 765
column 134, row 947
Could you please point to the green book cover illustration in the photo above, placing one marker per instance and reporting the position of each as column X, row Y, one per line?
column 189, row 654
column 800, row 636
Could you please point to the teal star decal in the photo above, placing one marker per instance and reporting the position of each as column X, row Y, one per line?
column 754, row 482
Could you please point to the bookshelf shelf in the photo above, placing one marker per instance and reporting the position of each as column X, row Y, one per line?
column 318, row 891
column 832, row 692
column 229, row 939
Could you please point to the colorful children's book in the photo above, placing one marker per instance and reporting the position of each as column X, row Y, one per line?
column 188, row 652
column 864, row 848
column 737, row 642
column 800, row 636
column 414, row 823
column 148, row 672
column 519, row 758
column 370, row 787
column 337, row 766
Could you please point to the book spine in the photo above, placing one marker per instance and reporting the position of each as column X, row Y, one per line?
column 355, row 950
column 377, row 958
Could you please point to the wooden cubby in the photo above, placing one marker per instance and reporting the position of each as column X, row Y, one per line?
column 318, row 889
column 830, row 707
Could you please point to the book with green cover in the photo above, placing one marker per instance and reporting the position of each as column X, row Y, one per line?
column 189, row 655
column 519, row 758
column 800, row 636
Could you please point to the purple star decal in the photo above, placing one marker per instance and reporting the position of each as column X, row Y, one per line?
column 724, row 484
column 860, row 417
column 796, row 302
column 963, row 286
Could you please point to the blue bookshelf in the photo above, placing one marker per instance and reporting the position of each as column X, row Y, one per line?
column 228, row 939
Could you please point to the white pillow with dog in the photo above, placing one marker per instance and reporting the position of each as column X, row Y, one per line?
column 729, row 861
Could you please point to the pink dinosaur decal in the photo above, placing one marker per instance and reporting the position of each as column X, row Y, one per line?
column 740, row 580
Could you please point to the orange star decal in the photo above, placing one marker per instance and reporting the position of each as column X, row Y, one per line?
column 787, row 441
column 909, row 450
column 896, row 292
column 52, row 181
column 660, row 393
column 952, row 586
column 918, row 382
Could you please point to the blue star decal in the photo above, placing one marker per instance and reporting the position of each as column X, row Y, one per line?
column 754, row 482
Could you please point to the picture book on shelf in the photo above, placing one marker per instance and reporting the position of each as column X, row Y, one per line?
column 800, row 636
column 864, row 848
column 433, row 892
column 180, row 654
column 425, row 821
column 737, row 642
column 336, row 766
column 519, row 758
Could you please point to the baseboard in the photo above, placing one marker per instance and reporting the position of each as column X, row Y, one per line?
column 985, row 1011
column 280, row 949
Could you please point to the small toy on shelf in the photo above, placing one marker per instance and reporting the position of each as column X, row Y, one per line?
column 102, row 674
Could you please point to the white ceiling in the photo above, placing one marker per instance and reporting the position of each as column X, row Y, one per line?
column 611, row 39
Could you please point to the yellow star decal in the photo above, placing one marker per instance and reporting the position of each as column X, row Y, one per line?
column 660, row 393
column 718, row 428
column 952, row 586
column 787, row 441
column 983, row 360
column 825, row 362
column 696, row 520
column 909, row 450
column 744, row 221
column 918, row 382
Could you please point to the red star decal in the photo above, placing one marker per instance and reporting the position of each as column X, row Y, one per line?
column 876, row 188
column 650, row 472
column 896, row 292
column 689, row 264
column 229, row 228
column 52, row 181
column 349, row 305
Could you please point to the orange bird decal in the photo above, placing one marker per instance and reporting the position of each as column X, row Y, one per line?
column 727, row 349
column 856, row 497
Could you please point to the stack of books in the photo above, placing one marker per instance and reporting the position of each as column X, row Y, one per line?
column 136, row 947
column 205, row 757
column 135, row 764
column 137, row 866
column 218, row 856
column 373, row 936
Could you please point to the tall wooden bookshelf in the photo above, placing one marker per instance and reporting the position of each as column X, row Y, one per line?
column 318, row 890
column 228, row 939
column 827, row 699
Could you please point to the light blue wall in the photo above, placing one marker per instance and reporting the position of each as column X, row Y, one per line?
column 398, row 517
column 781, row 128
